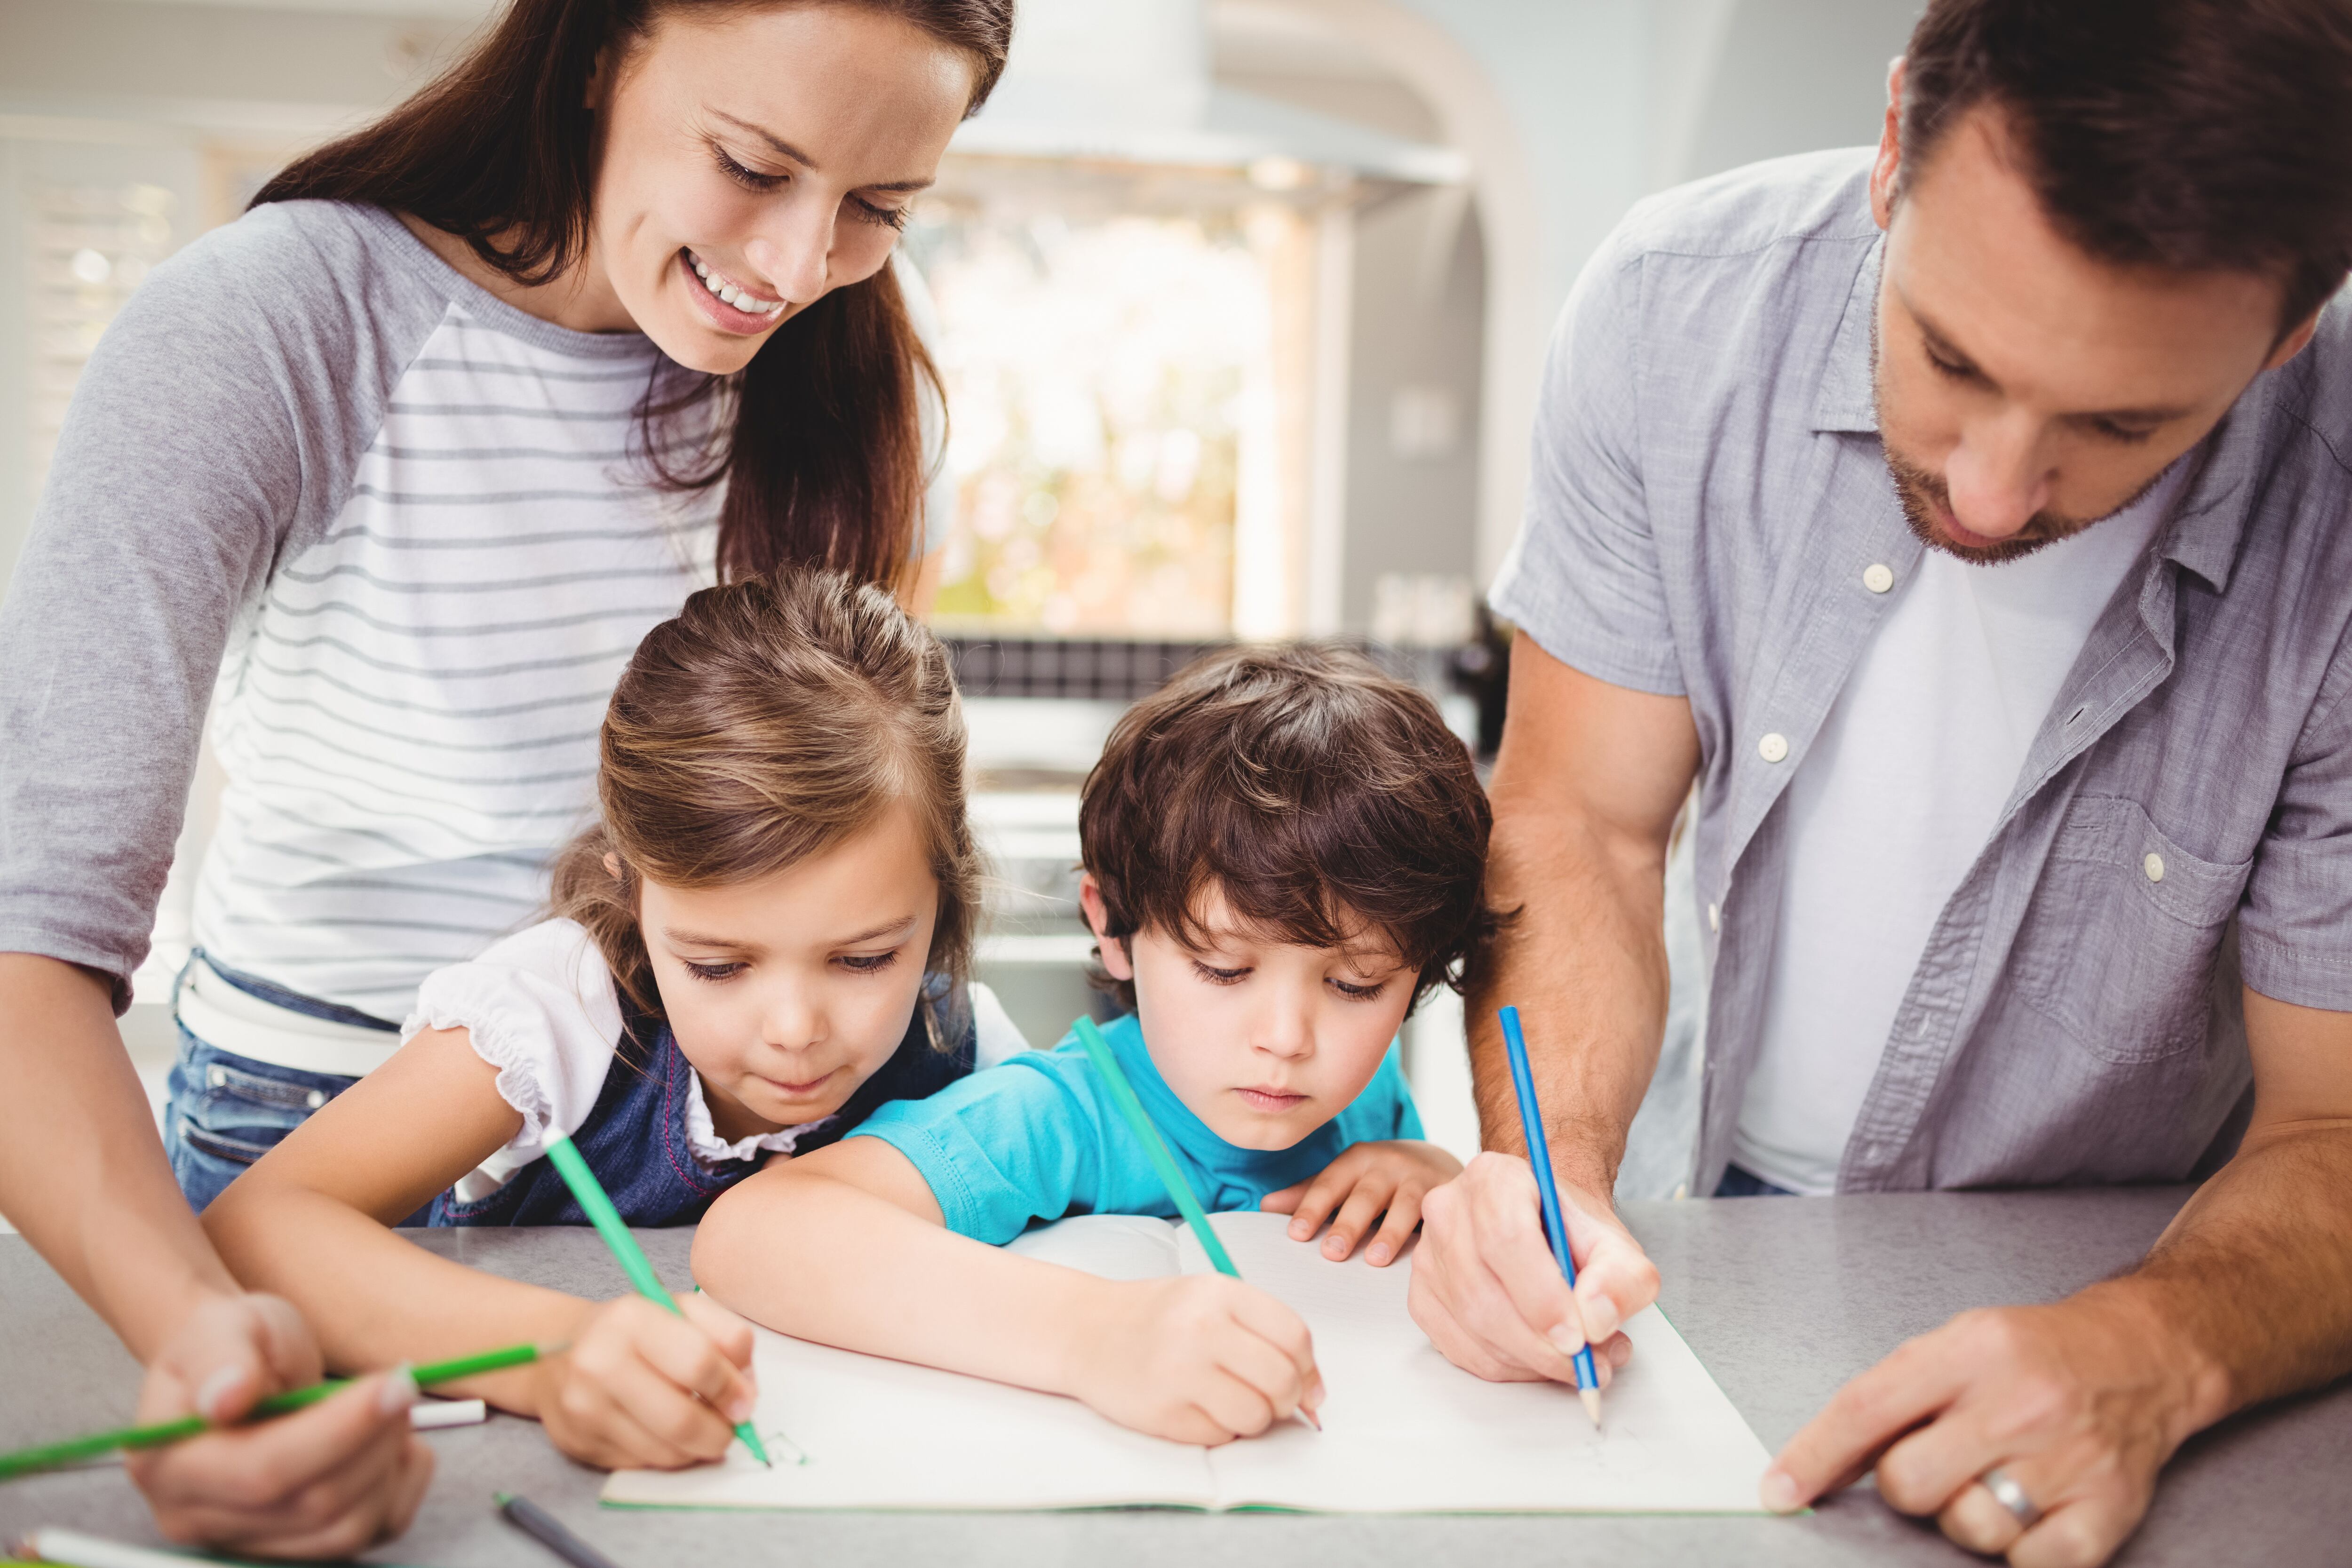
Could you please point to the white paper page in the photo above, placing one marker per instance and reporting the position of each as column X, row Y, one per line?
column 885, row 1435
column 1406, row 1431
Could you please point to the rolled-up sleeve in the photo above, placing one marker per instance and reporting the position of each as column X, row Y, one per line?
column 1582, row 578
column 2294, row 928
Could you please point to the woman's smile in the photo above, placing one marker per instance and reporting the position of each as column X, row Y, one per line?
column 725, row 303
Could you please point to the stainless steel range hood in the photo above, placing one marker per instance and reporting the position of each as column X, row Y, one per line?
column 1129, row 82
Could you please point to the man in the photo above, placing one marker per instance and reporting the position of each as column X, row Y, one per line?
column 1970, row 524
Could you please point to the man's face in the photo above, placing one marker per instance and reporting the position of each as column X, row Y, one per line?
column 2026, row 390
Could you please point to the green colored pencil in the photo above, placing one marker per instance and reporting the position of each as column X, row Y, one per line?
column 25, row 1461
column 1123, row 1094
column 1171, row 1175
column 589, row 1194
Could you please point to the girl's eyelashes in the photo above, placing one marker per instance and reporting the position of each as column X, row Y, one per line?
column 868, row 962
column 1217, row 976
column 1356, row 993
column 711, row 972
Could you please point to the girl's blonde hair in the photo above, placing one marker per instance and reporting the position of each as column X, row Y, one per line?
column 774, row 718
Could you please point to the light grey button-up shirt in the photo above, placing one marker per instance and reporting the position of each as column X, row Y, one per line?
column 1709, row 500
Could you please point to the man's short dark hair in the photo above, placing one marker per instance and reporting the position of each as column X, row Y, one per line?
column 1324, row 799
column 2195, row 135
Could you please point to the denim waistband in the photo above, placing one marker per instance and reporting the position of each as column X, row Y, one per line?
column 292, row 1001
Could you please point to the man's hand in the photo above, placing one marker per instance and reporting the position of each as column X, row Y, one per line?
column 329, row 1481
column 1367, row 1181
column 1489, row 1296
column 2080, row 1404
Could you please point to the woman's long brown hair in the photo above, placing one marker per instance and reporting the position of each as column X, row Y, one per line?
column 822, row 458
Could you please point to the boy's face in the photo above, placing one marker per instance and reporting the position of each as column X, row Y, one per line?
column 1264, row 1040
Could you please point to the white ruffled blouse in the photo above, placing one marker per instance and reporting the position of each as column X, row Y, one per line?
column 540, row 1006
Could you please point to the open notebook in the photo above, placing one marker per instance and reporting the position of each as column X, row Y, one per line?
column 1404, row 1431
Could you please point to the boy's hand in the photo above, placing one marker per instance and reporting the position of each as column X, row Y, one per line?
column 641, row 1389
column 1365, row 1181
column 1198, row 1358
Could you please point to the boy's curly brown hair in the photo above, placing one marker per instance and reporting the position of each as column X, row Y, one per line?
column 1326, row 799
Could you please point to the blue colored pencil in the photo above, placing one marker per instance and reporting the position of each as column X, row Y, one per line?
column 1588, row 1382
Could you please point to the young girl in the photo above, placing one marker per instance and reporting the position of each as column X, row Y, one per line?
column 758, row 944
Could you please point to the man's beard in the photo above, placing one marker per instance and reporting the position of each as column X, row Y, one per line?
column 1926, row 498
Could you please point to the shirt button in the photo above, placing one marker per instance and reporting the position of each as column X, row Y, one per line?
column 1773, row 748
column 1877, row 577
column 1714, row 918
column 2154, row 867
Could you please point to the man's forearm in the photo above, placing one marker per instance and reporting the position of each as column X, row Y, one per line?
column 1583, row 957
column 82, row 1174
column 2253, row 1280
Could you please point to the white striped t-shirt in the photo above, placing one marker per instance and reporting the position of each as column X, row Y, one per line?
column 408, row 720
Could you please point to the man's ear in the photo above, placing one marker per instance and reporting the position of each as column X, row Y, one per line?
column 2295, row 341
column 1886, row 170
column 1115, row 961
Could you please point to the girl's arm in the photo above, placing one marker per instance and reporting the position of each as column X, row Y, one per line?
column 845, row 1247
column 312, row 1221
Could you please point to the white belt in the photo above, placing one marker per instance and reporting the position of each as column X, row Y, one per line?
column 237, row 1021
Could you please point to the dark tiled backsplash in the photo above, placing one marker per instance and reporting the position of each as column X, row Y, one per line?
column 1108, row 669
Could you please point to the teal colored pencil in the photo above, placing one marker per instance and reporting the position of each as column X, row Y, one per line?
column 1123, row 1094
column 589, row 1194
column 1171, row 1175
column 47, row 1457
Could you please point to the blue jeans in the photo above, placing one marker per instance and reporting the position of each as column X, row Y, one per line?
column 225, row 1111
column 1739, row 1184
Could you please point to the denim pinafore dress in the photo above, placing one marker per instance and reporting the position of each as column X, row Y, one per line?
column 635, row 1138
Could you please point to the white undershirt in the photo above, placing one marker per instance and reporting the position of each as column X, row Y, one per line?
column 1892, row 805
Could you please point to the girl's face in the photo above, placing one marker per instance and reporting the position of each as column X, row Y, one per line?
column 789, row 992
column 1264, row 1040
column 770, row 154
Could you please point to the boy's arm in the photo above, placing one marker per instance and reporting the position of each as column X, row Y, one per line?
column 846, row 1246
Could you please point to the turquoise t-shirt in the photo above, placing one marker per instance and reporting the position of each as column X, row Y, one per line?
column 1038, row 1137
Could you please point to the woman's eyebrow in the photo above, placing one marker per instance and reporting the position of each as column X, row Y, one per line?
column 784, row 149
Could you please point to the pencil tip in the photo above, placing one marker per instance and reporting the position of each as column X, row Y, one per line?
column 1592, row 1398
column 1312, row 1419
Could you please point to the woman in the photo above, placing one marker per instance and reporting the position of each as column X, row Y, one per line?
column 408, row 458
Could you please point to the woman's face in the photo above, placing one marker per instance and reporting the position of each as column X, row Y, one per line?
column 751, row 164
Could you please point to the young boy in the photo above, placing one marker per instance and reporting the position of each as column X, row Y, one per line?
column 1284, row 851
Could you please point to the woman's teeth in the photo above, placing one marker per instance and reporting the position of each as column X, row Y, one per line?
column 728, row 291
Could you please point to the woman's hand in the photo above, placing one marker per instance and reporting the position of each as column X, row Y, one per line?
column 641, row 1389
column 1365, row 1181
column 328, row 1481
column 1198, row 1358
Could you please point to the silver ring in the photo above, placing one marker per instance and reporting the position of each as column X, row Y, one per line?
column 2010, row 1495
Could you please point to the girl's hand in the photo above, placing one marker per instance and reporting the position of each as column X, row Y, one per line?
column 1198, row 1358
column 1365, row 1181
column 641, row 1389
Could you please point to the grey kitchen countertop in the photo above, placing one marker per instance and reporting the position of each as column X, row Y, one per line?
column 1782, row 1299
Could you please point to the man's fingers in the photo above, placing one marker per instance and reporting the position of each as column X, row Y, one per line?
column 2080, row 1534
column 1976, row 1521
column 1873, row 1409
column 1615, row 1277
column 262, row 1465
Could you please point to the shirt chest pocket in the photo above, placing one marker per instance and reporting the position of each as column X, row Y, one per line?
column 2119, row 944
